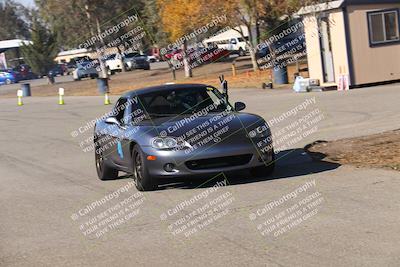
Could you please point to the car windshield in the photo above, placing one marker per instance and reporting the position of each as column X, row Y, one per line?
column 87, row 64
column 130, row 55
column 184, row 101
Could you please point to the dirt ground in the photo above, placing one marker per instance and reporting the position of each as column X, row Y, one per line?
column 376, row 151
column 208, row 74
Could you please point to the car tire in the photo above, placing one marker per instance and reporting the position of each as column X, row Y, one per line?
column 143, row 181
column 104, row 172
column 110, row 72
column 241, row 52
column 263, row 171
column 8, row 81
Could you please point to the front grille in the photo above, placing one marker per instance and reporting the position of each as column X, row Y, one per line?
column 140, row 61
column 220, row 162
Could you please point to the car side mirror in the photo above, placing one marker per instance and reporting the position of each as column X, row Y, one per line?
column 240, row 106
column 112, row 120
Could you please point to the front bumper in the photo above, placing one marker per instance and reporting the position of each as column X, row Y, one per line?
column 137, row 65
column 183, row 161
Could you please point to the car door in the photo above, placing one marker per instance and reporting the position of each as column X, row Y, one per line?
column 116, row 132
column 2, row 78
column 125, row 155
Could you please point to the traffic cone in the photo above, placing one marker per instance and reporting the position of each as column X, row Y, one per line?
column 106, row 99
column 19, row 95
column 61, row 100
column 20, row 101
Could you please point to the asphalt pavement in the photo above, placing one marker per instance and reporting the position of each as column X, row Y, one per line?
column 55, row 211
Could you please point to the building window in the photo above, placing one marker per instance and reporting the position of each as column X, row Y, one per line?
column 383, row 26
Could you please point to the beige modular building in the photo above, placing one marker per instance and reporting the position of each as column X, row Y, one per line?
column 355, row 39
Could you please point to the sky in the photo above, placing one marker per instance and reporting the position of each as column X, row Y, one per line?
column 26, row 2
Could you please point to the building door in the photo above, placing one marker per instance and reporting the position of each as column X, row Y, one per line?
column 326, row 50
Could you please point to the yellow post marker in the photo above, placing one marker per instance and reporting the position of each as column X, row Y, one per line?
column 19, row 95
column 233, row 69
column 61, row 96
column 106, row 99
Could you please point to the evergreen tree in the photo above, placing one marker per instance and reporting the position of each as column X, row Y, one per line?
column 40, row 55
column 12, row 23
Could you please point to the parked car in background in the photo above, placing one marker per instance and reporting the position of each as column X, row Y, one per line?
column 203, row 55
column 236, row 44
column 154, row 53
column 131, row 61
column 25, row 73
column 16, row 74
column 57, row 70
column 231, row 40
column 113, row 63
column 287, row 46
column 86, row 69
column 175, row 54
column 198, row 55
column 71, row 66
column 8, row 77
column 152, row 59
column 136, row 61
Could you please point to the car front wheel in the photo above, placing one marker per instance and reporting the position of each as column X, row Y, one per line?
column 263, row 171
column 144, row 182
column 104, row 172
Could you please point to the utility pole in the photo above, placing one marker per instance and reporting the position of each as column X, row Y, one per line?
column 99, row 52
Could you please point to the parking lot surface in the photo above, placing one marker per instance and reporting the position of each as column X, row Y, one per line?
column 49, row 183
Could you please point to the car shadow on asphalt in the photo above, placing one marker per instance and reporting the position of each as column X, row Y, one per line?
column 290, row 163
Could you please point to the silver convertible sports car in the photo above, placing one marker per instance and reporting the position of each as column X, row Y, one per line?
column 180, row 130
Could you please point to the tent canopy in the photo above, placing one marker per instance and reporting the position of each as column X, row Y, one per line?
column 14, row 43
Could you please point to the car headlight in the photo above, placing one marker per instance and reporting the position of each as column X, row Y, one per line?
column 260, row 132
column 169, row 143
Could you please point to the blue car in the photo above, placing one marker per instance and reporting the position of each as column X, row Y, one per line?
column 8, row 77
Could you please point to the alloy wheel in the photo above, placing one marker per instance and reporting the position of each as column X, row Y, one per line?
column 138, row 167
column 99, row 161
